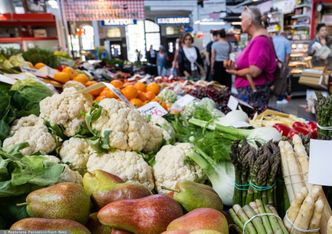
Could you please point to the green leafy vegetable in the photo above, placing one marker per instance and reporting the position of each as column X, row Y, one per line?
column 21, row 174
column 36, row 55
column 26, row 95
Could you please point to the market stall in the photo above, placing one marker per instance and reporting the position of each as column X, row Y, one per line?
column 96, row 156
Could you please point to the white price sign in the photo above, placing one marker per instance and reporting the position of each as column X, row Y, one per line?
column 232, row 103
column 152, row 108
column 320, row 162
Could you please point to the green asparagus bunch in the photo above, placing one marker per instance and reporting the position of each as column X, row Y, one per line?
column 323, row 107
column 256, row 172
column 257, row 218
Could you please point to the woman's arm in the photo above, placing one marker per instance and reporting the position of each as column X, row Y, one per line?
column 213, row 59
column 253, row 71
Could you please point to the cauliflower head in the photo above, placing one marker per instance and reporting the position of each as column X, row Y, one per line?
column 31, row 129
column 66, row 109
column 67, row 175
column 165, row 127
column 171, row 166
column 76, row 152
column 125, row 164
column 129, row 130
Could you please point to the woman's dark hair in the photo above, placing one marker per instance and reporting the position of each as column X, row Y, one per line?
column 187, row 35
column 222, row 33
column 319, row 26
column 214, row 32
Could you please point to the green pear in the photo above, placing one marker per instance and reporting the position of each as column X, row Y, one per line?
column 105, row 188
column 34, row 224
column 148, row 215
column 193, row 195
column 60, row 201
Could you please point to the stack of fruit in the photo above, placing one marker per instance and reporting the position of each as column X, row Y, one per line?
column 68, row 74
column 123, row 207
column 137, row 93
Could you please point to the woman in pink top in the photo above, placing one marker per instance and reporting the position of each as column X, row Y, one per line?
column 257, row 60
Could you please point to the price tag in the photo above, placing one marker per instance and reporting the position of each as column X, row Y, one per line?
column 28, row 69
column 320, row 162
column 232, row 103
column 111, row 87
column 182, row 102
column 152, row 108
column 7, row 80
column 117, row 93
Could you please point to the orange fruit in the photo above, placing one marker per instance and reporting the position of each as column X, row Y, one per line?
column 82, row 78
column 95, row 92
column 39, row 65
column 30, row 65
column 106, row 92
column 70, row 71
column 153, row 87
column 62, row 77
column 90, row 82
column 129, row 92
column 136, row 102
column 141, row 95
column 100, row 97
column 140, row 86
column 150, row 95
column 117, row 83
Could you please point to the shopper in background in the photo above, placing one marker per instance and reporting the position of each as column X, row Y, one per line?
column 320, row 47
column 175, row 64
column 189, row 58
column 220, row 53
column 162, row 62
column 256, row 63
column 283, row 50
column 138, row 55
column 151, row 55
column 214, row 34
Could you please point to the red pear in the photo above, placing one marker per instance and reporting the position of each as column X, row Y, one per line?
column 148, row 215
column 201, row 218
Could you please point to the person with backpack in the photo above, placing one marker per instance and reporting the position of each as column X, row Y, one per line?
column 255, row 67
column 220, row 53
column 283, row 50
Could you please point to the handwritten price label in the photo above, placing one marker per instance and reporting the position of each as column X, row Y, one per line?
column 152, row 108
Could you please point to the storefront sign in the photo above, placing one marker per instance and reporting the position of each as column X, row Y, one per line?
column 173, row 20
column 89, row 10
column 118, row 22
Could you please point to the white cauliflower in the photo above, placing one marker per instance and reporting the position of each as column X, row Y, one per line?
column 171, row 166
column 129, row 130
column 165, row 127
column 31, row 129
column 66, row 109
column 125, row 164
column 76, row 152
column 67, row 175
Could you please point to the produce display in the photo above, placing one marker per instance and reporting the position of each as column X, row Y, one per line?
column 88, row 161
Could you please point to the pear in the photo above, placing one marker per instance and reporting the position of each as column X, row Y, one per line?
column 200, row 219
column 105, row 188
column 148, row 215
column 35, row 224
column 193, row 195
column 117, row 231
column 201, row 231
column 60, row 201
column 96, row 227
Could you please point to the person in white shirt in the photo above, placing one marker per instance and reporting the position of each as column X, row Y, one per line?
column 189, row 58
